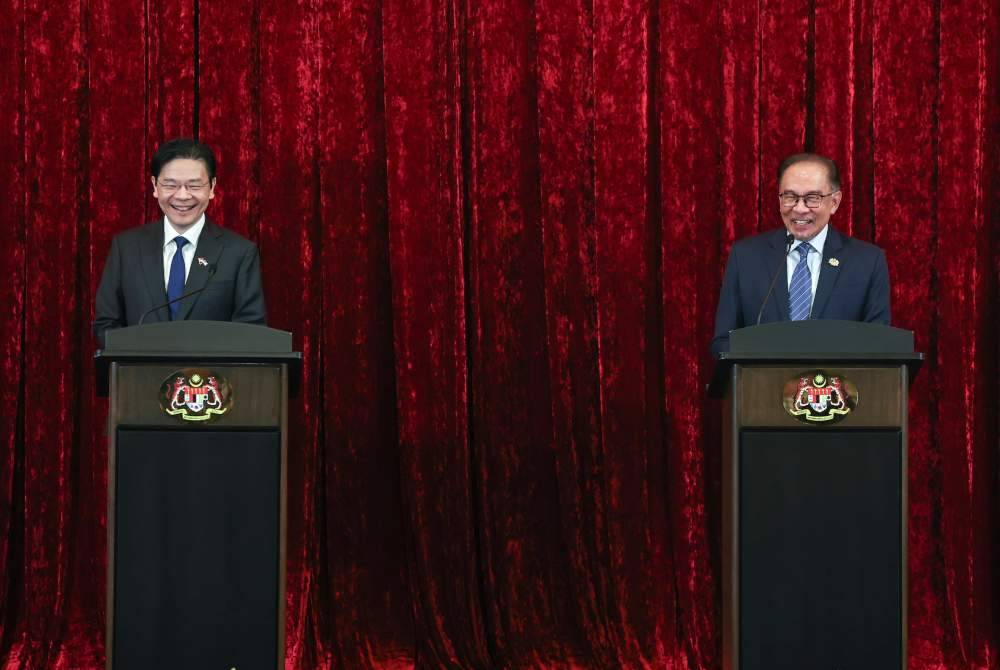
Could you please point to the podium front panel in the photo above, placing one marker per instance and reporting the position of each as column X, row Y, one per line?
column 197, row 549
column 196, row 515
column 814, row 517
column 820, row 557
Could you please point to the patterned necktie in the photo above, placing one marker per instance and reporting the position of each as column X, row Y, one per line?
column 800, row 290
column 175, row 285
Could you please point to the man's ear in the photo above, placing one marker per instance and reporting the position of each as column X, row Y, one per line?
column 835, row 198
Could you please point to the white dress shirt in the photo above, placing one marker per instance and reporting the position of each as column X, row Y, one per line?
column 170, row 247
column 815, row 261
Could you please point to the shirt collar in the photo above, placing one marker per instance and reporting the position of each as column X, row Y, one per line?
column 816, row 243
column 191, row 234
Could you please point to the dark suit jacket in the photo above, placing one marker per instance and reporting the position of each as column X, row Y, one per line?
column 855, row 289
column 133, row 280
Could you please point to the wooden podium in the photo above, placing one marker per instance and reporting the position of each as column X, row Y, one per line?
column 197, row 451
column 814, row 495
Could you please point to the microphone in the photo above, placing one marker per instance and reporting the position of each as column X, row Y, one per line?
column 789, row 240
column 211, row 273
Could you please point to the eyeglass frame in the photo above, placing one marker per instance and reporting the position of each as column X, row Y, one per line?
column 192, row 188
column 790, row 194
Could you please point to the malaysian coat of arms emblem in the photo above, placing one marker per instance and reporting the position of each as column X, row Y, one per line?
column 195, row 395
column 816, row 397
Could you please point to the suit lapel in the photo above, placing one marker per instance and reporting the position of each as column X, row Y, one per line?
column 776, row 262
column 206, row 255
column 828, row 273
column 151, row 259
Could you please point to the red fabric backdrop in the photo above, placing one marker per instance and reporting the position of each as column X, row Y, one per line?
column 497, row 230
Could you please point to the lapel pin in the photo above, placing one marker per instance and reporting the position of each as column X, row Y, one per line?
column 204, row 263
column 833, row 261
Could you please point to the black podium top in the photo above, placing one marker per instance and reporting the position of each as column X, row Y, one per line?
column 821, row 341
column 218, row 342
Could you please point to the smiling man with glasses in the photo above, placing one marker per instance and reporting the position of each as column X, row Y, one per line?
column 806, row 270
column 203, row 271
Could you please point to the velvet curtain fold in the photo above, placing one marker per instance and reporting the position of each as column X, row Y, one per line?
column 497, row 230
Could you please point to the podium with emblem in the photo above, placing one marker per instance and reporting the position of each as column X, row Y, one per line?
column 197, row 453
column 814, row 459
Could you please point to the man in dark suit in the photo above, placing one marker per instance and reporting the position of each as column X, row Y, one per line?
column 182, row 253
column 821, row 274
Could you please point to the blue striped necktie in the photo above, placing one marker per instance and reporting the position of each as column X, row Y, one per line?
column 175, row 283
column 800, row 290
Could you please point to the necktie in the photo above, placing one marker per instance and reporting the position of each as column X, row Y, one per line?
column 800, row 290
column 175, row 284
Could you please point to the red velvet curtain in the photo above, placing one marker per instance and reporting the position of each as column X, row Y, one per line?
column 497, row 230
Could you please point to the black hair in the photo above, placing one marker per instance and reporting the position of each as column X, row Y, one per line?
column 832, row 171
column 183, row 147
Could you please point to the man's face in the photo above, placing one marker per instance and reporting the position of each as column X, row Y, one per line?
column 807, row 179
column 183, row 190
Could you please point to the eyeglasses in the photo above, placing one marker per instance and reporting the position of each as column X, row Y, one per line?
column 193, row 187
column 812, row 200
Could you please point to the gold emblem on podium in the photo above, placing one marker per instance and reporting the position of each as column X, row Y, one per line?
column 195, row 395
column 817, row 397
